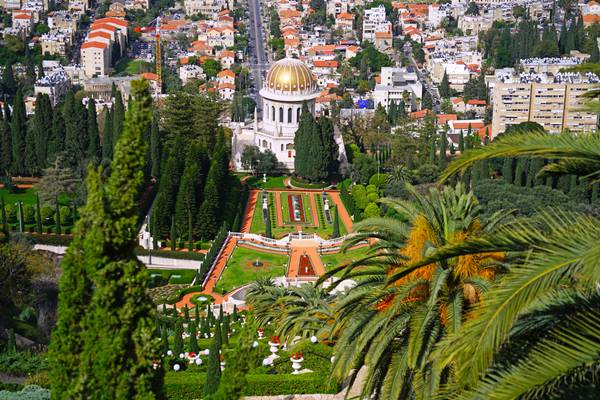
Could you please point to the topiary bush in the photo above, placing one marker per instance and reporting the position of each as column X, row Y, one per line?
column 65, row 215
column 11, row 213
column 47, row 214
column 28, row 214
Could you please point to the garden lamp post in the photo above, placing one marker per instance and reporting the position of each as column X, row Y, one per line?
column 19, row 205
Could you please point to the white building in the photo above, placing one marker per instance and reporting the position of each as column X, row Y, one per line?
column 398, row 84
column 375, row 21
column 289, row 84
column 189, row 72
column 55, row 85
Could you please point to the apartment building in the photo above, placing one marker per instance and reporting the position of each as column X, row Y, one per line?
column 55, row 85
column 95, row 58
column 57, row 42
column 209, row 8
column 375, row 21
column 398, row 84
column 552, row 100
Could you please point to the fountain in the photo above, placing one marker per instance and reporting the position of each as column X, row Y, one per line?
column 257, row 263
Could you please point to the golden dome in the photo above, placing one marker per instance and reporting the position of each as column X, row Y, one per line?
column 290, row 75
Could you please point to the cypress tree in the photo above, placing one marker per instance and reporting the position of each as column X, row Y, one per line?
column 190, row 233
column 75, row 129
column 57, row 217
column 4, row 222
column 19, row 132
column 30, row 156
column 268, row 228
column 213, row 369
column 173, row 235
column 329, row 148
column 117, row 324
column 177, row 339
column 562, row 40
column 93, row 148
column 9, row 84
column 155, row 148
column 107, row 139
column 197, row 314
column 118, row 117
column 186, row 314
column 207, row 223
column 595, row 54
column 38, row 214
column 6, row 143
column 235, row 313
column 42, row 125
column 572, row 184
column 193, row 347
column 187, row 195
column 56, row 141
column 507, row 169
column 336, row 224
column 535, row 166
column 221, row 313
column 461, row 142
column 445, row 86
column 519, row 172
column 225, row 330
column 164, row 341
column 442, row 160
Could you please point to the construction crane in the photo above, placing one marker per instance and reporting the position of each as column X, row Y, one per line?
column 158, row 55
column 157, row 48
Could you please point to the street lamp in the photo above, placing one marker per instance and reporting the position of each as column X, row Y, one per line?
column 19, row 205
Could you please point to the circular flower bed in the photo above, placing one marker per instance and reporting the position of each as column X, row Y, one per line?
column 202, row 300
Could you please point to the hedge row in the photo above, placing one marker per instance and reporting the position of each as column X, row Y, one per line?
column 184, row 386
column 305, row 185
column 49, row 239
column 347, row 199
column 182, row 292
column 212, row 253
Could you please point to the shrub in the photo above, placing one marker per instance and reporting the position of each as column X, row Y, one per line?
column 373, row 197
column 22, row 363
column 378, row 180
column 31, row 392
column 371, row 189
column 65, row 215
column 359, row 195
column 264, row 384
column 51, row 240
column 39, row 379
column 47, row 214
column 372, row 210
column 11, row 213
column 202, row 300
column 28, row 214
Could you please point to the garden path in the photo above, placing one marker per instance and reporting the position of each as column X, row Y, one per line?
column 343, row 213
column 313, row 209
column 308, row 247
column 249, row 214
column 278, row 209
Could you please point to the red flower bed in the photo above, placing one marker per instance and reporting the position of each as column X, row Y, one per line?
column 305, row 267
column 291, row 207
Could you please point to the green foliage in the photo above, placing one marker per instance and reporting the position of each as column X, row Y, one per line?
column 371, row 58
column 30, row 392
column 371, row 211
column 21, row 363
column 359, row 195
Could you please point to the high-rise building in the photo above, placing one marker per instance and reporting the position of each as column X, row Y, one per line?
column 554, row 101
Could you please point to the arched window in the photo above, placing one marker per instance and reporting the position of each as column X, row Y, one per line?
column 273, row 113
column 281, row 146
column 264, row 143
column 289, row 115
column 298, row 114
column 281, row 114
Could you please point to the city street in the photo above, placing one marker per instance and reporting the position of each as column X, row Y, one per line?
column 258, row 61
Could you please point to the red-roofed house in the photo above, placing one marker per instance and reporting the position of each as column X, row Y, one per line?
column 227, row 58
column 442, row 119
column 478, row 106
column 226, row 76
column 324, row 67
column 23, row 20
column 458, row 126
column 383, row 41
column 344, row 22
column 226, row 90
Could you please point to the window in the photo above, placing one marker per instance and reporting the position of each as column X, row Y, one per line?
column 281, row 146
column 273, row 113
column 298, row 114
column 289, row 116
column 281, row 114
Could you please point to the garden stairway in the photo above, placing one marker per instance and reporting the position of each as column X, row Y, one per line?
column 247, row 223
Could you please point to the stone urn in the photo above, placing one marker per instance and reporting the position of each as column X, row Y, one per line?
column 296, row 363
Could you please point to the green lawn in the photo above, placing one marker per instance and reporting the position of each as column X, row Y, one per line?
column 331, row 261
column 27, row 196
column 273, row 182
column 239, row 270
column 175, row 276
column 127, row 66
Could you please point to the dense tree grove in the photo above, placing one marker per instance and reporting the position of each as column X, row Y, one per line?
column 316, row 150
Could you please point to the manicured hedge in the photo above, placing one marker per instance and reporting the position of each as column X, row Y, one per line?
column 261, row 385
column 182, row 292
column 190, row 385
column 306, row 185
column 50, row 239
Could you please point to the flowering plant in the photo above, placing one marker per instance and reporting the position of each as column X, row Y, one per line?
column 297, row 356
column 191, row 355
column 221, row 358
column 275, row 339
column 261, row 330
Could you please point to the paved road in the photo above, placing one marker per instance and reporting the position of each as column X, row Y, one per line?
column 427, row 84
column 258, row 61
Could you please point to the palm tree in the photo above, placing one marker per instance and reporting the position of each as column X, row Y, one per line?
column 391, row 320
column 536, row 335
